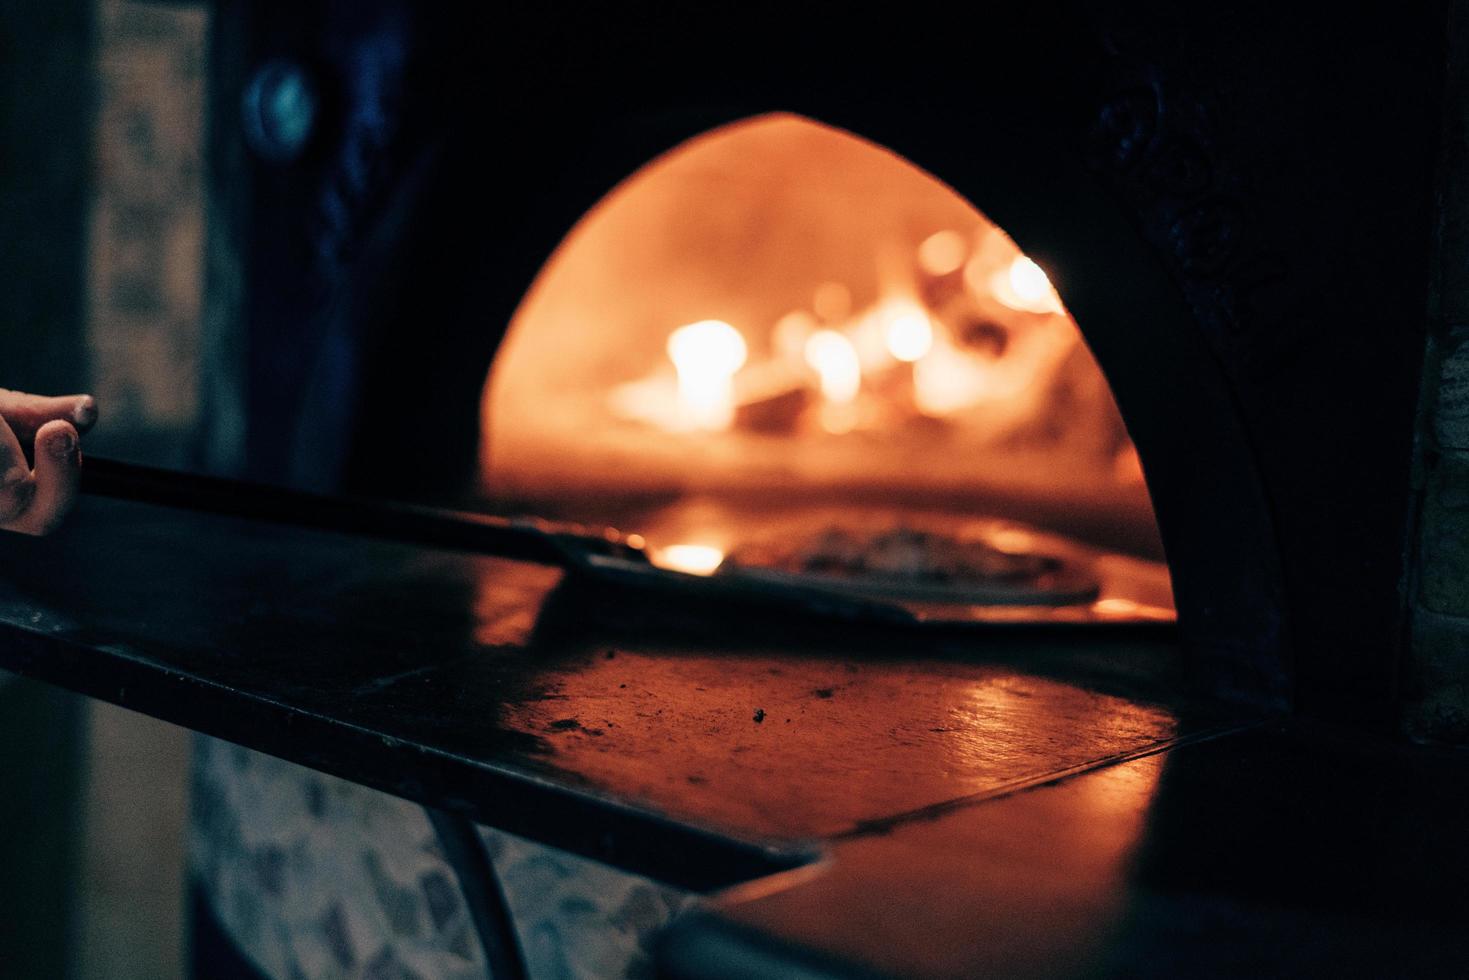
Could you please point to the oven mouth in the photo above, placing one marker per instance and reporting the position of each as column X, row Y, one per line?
column 782, row 352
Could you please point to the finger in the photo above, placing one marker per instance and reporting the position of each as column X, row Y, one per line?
column 27, row 413
column 57, row 476
column 16, row 485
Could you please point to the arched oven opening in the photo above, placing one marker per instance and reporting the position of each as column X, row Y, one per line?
column 784, row 351
column 781, row 349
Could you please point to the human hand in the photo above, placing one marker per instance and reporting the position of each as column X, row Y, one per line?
column 34, row 499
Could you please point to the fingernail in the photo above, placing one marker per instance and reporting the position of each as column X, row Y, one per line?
column 86, row 411
column 63, row 445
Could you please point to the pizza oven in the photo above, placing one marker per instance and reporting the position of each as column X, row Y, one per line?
column 1114, row 283
column 940, row 491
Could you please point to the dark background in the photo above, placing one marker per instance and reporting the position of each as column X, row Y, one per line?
column 1238, row 199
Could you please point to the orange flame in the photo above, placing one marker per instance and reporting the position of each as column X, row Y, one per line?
column 706, row 356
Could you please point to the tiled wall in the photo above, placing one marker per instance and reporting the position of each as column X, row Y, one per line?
column 144, row 265
column 147, row 229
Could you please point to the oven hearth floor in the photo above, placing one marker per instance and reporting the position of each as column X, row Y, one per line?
column 1045, row 803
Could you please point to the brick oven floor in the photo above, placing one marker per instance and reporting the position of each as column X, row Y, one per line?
column 1011, row 802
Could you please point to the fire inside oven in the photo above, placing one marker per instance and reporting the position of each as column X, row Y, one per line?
column 782, row 351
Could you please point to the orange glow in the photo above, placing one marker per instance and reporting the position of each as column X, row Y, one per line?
column 947, row 380
column 706, row 355
column 948, row 739
column 1127, row 467
column 832, row 301
column 693, row 559
column 832, row 356
column 1025, row 286
column 942, row 252
column 909, row 336
column 790, row 333
column 1013, row 540
column 875, row 334
column 1122, row 608
column 838, row 417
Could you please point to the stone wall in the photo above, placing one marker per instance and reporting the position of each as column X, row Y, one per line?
column 147, row 230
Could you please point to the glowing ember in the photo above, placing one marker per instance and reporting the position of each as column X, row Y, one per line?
column 694, row 559
column 942, row 253
column 947, row 381
column 1013, row 541
column 832, row 356
column 909, row 336
column 706, row 356
column 1025, row 286
column 1029, row 280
